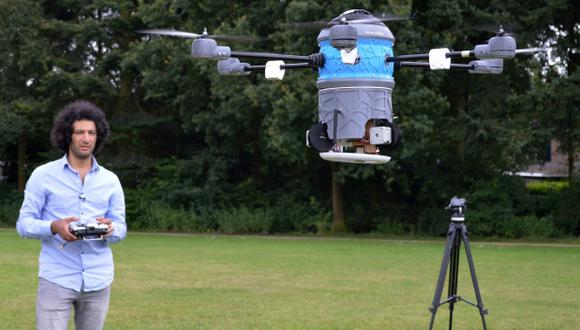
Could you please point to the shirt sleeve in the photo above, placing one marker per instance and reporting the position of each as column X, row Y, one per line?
column 29, row 224
column 116, row 213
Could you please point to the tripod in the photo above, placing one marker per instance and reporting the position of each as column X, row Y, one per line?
column 456, row 233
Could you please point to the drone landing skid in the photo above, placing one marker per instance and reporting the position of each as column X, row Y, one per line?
column 356, row 158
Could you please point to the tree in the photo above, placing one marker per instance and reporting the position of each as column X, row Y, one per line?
column 24, row 61
column 561, row 30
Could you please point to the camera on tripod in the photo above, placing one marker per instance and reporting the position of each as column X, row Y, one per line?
column 456, row 234
column 457, row 209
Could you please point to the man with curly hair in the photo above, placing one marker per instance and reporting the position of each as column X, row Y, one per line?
column 72, row 272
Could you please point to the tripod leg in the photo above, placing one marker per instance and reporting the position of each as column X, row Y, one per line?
column 482, row 310
column 442, row 273
column 453, row 275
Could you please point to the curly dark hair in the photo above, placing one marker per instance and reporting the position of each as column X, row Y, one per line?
column 62, row 128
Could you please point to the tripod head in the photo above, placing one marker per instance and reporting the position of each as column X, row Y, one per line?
column 457, row 208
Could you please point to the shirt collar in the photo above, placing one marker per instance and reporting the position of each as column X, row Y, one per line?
column 64, row 163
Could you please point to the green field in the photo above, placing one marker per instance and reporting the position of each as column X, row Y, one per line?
column 226, row 282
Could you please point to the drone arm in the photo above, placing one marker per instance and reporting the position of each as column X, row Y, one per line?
column 480, row 51
column 427, row 65
column 492, row 66
column 273, row 69
column 451, row 54
column 270, row 56
column 302, row 65
column 460, row 53
column 251, row 68
column 311, row 61
column 411, row 57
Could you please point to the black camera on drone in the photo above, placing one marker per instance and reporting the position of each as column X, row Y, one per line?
column 457, row 209
column 92, row 231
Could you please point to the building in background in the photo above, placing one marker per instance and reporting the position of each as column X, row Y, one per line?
column 555, row 165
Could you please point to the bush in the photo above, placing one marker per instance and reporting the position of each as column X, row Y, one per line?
column 9, row 211
column 389, row 226
column 545, row 187
column 434, row 222
column 566, row 210
column 528, row 227
column 293, row 215
column 10, row 202
column 488, row 207
column 137, row 204
column 145, row 211
column 558, row 200
column 163, row 217
column 244, row 220
column 545, row 195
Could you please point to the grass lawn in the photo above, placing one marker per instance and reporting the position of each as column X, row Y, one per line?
column 225, row 282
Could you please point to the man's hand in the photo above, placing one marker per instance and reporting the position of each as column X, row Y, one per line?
column 61, row 227
column 109, row 223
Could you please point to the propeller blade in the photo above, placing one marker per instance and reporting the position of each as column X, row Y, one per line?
column 322, row 24
column 315, row 25
column 245, row 39
column 189, row 35
column 509, row 28
column 171, row 33
column 382, row 18
column 526, row 51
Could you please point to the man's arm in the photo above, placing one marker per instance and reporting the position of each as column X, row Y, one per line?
column 116, row 214
column 29, row 224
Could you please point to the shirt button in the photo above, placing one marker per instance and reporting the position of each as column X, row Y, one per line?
column 83, row 270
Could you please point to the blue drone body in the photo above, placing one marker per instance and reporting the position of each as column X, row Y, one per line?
column 355, row 83
column 372, row 61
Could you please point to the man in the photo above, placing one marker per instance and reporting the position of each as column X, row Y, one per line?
column 74, row 272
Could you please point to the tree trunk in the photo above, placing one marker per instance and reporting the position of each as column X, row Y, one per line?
column 568, row 142
column 21, row 162
column 338, row 225
column 572, row 66
column 571, row 159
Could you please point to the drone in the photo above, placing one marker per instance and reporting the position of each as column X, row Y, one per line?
column 355, row 67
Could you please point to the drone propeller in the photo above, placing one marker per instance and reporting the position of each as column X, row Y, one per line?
column 509, row 28
column 501, row 32
column 380, row 18
column 374, row 20
column 322, row 24
column 189, row 35
column 172, row 33
column 532, row 51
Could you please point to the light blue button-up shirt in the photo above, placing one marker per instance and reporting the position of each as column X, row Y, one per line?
column 55, row 191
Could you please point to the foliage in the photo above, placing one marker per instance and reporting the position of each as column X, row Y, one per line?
column 566, row 213
column 160, row 216
column 388, row 226
column 528, row 227
column 284, row 215
column 9, row 210
column 244, row 221
column 10, row 201
column 544, row 187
